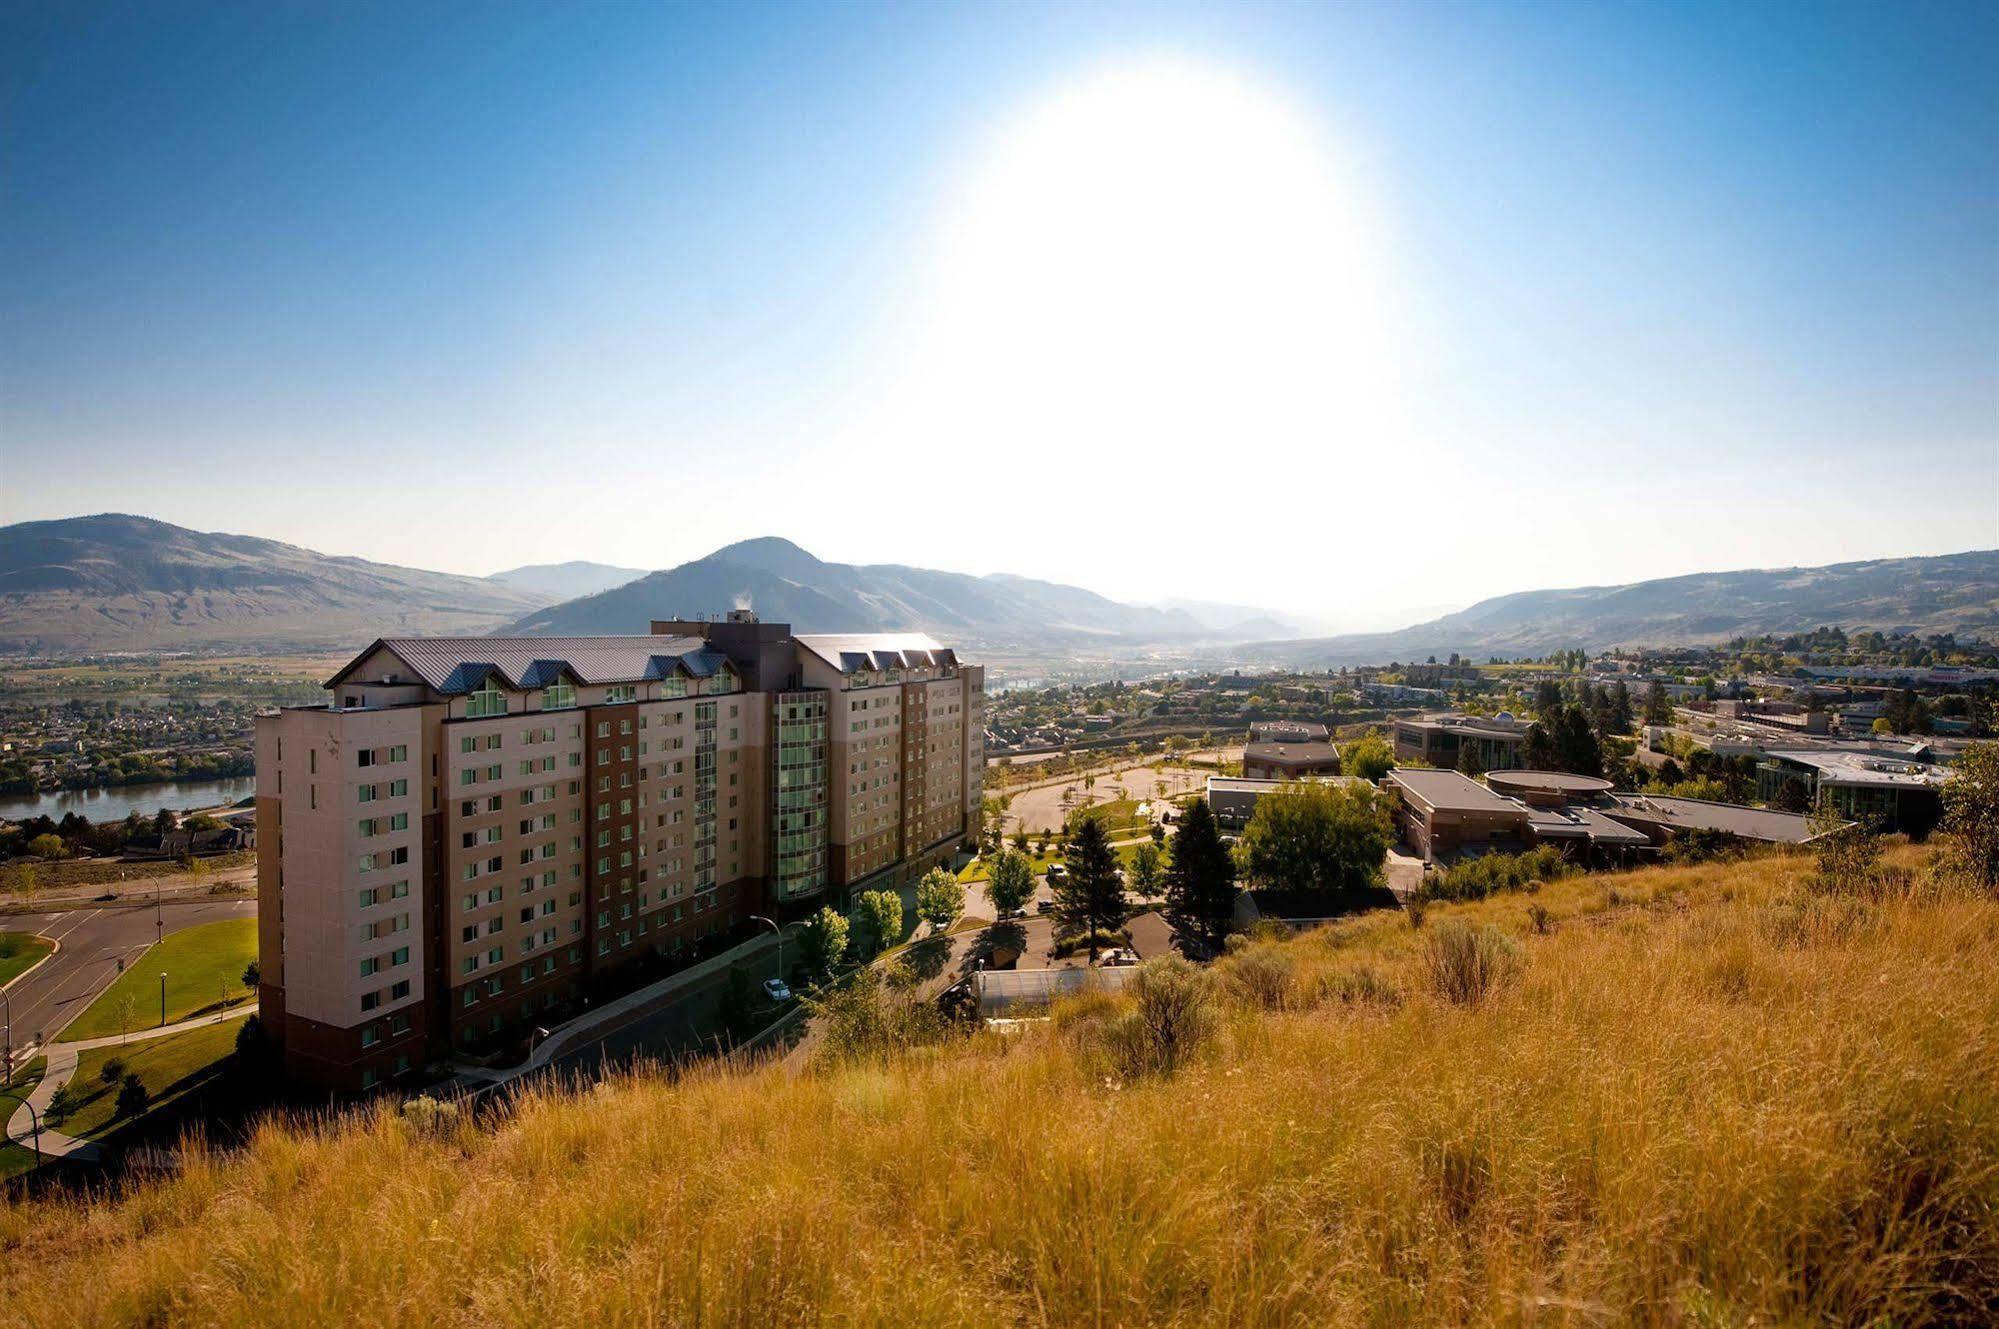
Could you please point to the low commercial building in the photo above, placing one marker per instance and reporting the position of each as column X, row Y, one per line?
column 1290, row 761
column 1661, row 817
column 1233, row 799
column 1439, row 740
column 1869, row 786
column 1442, row 814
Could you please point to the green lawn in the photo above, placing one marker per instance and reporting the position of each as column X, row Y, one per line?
column 18, row 1158
column 204, row 967
column 20, row 952
column 169, row 1067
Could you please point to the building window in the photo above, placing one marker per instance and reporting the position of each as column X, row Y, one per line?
column 558, row 696
column 488, row 700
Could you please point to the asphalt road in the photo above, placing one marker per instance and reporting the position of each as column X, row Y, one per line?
column 92, row 941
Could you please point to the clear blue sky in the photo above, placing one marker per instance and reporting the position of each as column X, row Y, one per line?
column 1417, row 303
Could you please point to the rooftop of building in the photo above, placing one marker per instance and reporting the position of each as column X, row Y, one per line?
column 1547, row 782
column 1583, row 823
column 1291, row 754
column 1847, row 767
column 1450, row 791
column 1700, row 814
column 1236, row 784
column 1505, row 725
column 1289, row 731
column 460, row 664
column 849, row 652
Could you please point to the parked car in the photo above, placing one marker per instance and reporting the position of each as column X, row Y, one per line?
column 1056, row 872
column 776, row 989
column 1118, row 957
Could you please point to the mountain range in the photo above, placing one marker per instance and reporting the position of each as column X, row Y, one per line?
column 1946, row 593
column 785, row 583
column 120, row 582
column 566, row 581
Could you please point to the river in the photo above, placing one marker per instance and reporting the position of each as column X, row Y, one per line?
column 113, row 804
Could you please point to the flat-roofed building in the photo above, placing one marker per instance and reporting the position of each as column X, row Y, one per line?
column 472, row 828
column 1439, row 740
column 1233, row 799
column 1865, row 784
column 1289, row 760
column 1442, row 814
column 1662, row 816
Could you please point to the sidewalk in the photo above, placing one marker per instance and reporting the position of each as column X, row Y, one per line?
column 62, row 1059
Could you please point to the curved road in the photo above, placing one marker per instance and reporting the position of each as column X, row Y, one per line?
column 91, row 940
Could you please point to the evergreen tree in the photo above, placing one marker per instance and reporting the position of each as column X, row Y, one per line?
column 1091, row 894
column 1658, row 710
column 1200, row 880
column 1468, row 762
column 1620, row 708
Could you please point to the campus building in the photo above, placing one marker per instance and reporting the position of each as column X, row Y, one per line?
column 1439, row 740
column 473, row 831
column 1289, row 750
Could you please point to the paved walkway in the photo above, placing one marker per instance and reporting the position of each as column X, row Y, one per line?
column 62, row 1062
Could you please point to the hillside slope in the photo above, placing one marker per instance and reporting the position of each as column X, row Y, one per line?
column 784, row 583
column 1948, row 593
column 566, row 581
column 119, row 582
column 1705, row 1097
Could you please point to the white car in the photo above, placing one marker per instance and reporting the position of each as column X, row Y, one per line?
column 775, row 989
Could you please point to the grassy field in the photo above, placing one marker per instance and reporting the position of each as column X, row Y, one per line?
column 20, row 952
column 16, row 877
column 168, row 1067
column 204, row 967
column 18, row 1158
column 1698, row 1096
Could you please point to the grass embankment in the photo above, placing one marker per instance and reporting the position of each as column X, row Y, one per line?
column 1699, row 1096
column 168, row 1067
column 26, row 879
column 18, row 1158
column 20, row 952
column 204, row 966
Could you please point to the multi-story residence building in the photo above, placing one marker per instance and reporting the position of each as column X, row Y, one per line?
column 471, row 830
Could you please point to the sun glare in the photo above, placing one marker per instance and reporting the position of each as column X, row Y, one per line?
column 1163, row 256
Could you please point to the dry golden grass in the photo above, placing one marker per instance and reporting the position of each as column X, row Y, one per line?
column 1703, row 1097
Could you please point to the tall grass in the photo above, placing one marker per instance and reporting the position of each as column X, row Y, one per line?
column 1724, row 1100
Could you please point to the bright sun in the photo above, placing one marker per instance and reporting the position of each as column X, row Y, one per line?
column 1162, row 257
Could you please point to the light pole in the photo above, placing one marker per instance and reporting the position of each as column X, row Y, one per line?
column 759, row 918
column 163, row 998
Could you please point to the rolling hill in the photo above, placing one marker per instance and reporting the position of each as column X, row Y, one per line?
column 566, row 581
column 120, row 582
column 785, row 583
column 1947, row 593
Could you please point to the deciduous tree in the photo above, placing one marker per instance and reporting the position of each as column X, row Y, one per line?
column 940, row 898
column 1315, row 836
column 1010, row 882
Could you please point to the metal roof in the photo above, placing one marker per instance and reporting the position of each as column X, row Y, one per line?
column 1448, row 789
column 460, row 664
column 851, row 651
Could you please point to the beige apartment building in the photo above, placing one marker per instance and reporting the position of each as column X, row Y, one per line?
column 474, row 831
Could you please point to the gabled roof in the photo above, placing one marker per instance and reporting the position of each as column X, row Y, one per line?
column 851, row 651
column 456, row 665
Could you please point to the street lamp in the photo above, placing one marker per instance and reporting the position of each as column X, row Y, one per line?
column 34, row 1122
column 163, row 998
column 759, row 918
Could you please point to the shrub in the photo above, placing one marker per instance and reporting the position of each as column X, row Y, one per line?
column 1263, row 976
column 1540, row 918
column 62, row 1103
column 1363, row 986
column 1416, row 906
column 1466, row 964
column 1069, row 943
column 132, row 1097
column 112, row 1071
column 1172, row 1019
column 1476, row 878
column 427, row 1116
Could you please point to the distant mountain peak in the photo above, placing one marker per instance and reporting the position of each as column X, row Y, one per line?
column 773, row 554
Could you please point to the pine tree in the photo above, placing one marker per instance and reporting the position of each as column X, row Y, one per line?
column 1091, row 895
column 1658, row 710
column 1200, row 879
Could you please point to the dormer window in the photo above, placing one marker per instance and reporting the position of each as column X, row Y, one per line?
column 673, row 687
column 558, row 696
column 488, row 700
column 621, row 692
